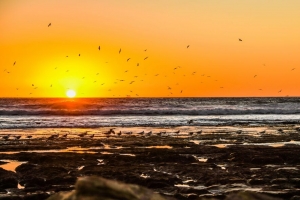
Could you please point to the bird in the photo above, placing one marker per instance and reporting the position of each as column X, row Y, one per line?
column 187, row 46
column 5, row 137
column 99, row 48
column 14, row 63
column 293, row 69
column 137, row 64
column 49, row 24
column 279, row 91
column 240, row 40
column 128, row 59
column 120, row 51
column 119, row 133
column 254, row 76
column 82, row 134
column 190, row 121
column 145, row 58
column 141, row 133
column 17, row 137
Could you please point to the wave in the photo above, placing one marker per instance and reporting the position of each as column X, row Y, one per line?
column 162, row 112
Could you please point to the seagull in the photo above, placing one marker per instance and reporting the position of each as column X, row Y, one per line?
column 119, row 134
column 49, row 24
column 240, row 40
column 5, row 137
column 82, row 134
column 17, row 137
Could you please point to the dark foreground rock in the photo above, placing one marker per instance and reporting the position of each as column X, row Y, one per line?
column 8, row 179
column 93, row 188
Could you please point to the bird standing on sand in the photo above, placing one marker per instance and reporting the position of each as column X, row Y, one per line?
column 5, row 137
column 82, row 134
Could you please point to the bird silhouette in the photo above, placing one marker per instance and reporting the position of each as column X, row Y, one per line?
column 14, row 63
column 128, row 59
column 187, row 46
column 49, row 24
column 145, row 58
column 99, row 48
column 120, row 51
column 240, row 40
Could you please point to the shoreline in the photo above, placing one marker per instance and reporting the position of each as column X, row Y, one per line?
column 218, row 161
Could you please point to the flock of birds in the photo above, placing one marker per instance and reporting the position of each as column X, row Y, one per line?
column 106, row 134
column 169, row 90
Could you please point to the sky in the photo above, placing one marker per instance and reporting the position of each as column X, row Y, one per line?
column 176, row 48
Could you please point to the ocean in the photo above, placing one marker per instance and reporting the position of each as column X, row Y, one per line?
column 17, row 113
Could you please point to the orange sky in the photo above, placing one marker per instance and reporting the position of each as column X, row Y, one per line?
column 215, row 64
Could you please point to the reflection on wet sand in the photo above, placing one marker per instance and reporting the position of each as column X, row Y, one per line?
column 11, row 165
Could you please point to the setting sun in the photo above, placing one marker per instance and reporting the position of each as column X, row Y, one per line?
column 71, row 93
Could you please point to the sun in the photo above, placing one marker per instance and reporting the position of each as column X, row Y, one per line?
column 71, row 93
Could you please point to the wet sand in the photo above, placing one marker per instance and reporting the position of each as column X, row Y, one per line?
column 185, row 165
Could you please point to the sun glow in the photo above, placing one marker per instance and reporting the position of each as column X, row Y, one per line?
column 71, row 93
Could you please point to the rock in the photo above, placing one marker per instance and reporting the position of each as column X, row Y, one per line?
column 93, row 188
column 8, row 179
column 249, row 196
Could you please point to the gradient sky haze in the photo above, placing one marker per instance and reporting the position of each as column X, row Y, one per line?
column 216, row 64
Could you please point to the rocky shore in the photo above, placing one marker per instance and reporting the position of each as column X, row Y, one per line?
column 212, row 164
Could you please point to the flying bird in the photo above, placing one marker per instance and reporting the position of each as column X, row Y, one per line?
column 255, row 76
column 14, row 62
column 120, row 51
column 187, row 46
column 240, row 40
column 145, row 58
column 128, row 59
column 293, row 69
column 99, row 48
column 49, row 24
column 138, row 64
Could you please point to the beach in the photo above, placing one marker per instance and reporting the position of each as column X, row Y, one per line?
column 198, row 162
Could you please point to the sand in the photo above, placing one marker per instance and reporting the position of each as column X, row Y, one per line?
column 216, row 162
